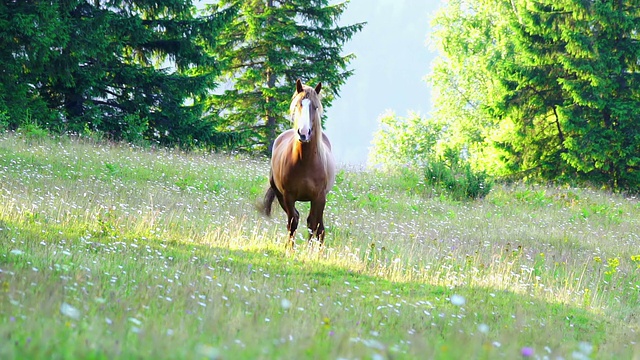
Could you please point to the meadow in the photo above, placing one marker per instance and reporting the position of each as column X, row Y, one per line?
column 113, row 251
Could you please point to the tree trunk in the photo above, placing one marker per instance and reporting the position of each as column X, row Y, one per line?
column 271, row 83
column 560, row 134
column 271, row 117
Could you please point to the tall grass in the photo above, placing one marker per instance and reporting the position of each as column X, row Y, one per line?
column 114, row 251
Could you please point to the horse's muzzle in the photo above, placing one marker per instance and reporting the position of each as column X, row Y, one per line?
column 304, row 137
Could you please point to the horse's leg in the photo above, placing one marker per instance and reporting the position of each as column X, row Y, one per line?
column 280, row 198
column 314, row 221
column 293, row 217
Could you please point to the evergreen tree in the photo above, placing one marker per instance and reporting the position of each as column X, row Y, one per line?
column 531, row 98
column 560, row 86
column 270, row 44
column 30, row 35
column 129, row 69
column 579, row 68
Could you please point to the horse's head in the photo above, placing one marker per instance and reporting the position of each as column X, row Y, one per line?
column 306, row 110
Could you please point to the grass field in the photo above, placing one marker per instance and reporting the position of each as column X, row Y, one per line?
column 112, row 251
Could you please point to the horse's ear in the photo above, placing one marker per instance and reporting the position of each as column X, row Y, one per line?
column 299, row 86
column 318, row 88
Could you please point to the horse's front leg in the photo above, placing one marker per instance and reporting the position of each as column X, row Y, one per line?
column 315, row 222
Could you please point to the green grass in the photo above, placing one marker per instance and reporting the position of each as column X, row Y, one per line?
column 113, row 251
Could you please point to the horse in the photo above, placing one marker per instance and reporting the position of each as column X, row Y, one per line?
column 302, row 165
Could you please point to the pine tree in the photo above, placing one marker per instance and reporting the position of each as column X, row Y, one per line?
column 30, row 34
column 578, row 73
column 531, row 99
column 270, row 44
column 558, row 86
column 129, row 69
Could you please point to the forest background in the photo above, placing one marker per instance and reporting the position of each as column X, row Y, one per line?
column 546, row 91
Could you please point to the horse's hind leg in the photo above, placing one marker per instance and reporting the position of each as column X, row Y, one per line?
column 293, row 217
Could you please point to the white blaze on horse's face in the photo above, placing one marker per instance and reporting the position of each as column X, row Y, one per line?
column 304, row 121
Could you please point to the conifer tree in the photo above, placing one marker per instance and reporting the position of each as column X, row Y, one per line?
column 130, row 69
column 578, row 74
column 558, row 90
column 30, row 34
column 270, row 44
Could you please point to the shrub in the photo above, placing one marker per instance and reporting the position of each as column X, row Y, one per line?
column 31, row 130
column 460, row 181
column 4, row 121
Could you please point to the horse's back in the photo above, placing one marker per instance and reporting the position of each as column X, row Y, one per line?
column 326, row 141
column 330, row 163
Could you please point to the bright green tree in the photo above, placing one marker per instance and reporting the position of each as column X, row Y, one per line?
column 270, row 44
column 554, row 86
column 469, row 38
column 403, row 141
column 577, row 78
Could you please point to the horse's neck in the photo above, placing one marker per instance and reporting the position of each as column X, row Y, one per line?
column 307, row 151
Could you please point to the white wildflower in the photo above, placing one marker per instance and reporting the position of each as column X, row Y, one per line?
column 208, row 352
column 286, row 304
column 585, row 348
column 457, row 300
column 70, row 311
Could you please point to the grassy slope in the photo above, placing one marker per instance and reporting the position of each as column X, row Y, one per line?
column 110, row 251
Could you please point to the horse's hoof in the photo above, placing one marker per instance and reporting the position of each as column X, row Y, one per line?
column 290, row 245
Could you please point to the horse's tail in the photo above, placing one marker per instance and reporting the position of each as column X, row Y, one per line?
column 268, row 201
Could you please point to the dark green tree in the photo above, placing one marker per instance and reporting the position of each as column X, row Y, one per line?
column 30, row 35
column 270, row 44
column 130, row 69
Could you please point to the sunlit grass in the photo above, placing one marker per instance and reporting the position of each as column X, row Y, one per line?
column 113, row 251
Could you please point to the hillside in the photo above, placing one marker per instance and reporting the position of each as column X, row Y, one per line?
column 115, row 251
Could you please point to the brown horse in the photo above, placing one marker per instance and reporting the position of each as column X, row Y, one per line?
column 302, row 166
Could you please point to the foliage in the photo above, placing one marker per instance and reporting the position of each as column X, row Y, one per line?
column 4, row 121
column 458, row 180
column 590, row 101
column 469, row 40
column 549, row 90
column 268, row 46
column 131, row 70
column 415, row 142
column 146, row 71
column 403, row 141
column 31, row 32
column 31, row 130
